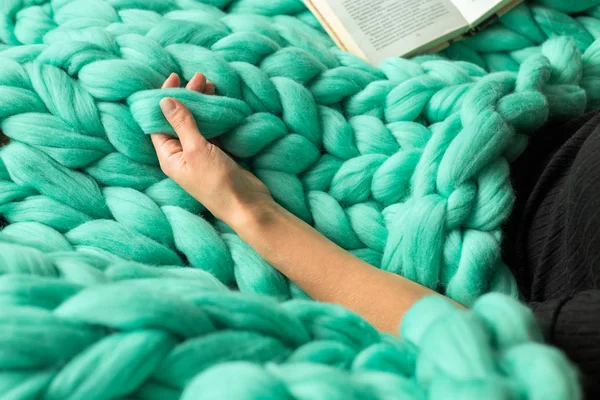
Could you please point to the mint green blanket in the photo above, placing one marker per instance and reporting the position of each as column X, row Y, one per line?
column 114, row 283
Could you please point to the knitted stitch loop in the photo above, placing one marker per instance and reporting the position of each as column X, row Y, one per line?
column 371, row 193
column 406, row 165
column 72, row 337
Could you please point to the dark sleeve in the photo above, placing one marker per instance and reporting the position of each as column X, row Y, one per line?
column 573, row 324
column 552, row 241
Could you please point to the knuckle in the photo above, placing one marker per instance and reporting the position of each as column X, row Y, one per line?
column 179, row 120
column 192, row 148
column 162, row 147
column 195, row 146
column 165, row 169
column 164, row 166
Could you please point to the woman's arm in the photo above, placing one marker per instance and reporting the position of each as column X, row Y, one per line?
column 325, row 271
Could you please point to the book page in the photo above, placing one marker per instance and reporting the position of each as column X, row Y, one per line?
column 473, row 10
column 387, row 28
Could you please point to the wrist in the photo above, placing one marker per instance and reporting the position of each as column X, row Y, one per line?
column 251, row 218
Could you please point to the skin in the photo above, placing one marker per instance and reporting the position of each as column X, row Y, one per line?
column 327, row 272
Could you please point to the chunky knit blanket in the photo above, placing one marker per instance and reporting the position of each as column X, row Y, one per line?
column 117, row 284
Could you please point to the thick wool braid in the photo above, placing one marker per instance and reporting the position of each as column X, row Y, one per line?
column 78, row 326
column 27, row 21
column 379, row 165
column 526, row 27
column 418, row 202
column 521, row 31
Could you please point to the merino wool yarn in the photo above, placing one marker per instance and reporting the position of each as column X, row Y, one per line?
column 405, row 165
column 80, row 325
column 115, row 283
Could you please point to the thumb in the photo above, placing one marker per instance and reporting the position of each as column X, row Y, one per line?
column 182, row 121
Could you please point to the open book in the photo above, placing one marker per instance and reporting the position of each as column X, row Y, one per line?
column 378, row 29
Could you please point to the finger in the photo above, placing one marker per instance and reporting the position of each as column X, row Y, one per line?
column 182, row 121
column 197, row 83
column 166, row 147
column 209, row 89
column 172, row 81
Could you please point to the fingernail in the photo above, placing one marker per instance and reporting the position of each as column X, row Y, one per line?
column 167, row 105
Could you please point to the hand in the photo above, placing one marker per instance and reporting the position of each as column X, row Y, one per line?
column 200, row 167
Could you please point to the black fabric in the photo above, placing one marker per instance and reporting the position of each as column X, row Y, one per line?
column 3, row 141
column 552, row 241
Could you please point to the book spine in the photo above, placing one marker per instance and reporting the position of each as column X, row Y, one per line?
column 487, row 22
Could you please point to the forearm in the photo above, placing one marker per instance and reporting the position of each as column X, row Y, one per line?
column 322, row 269
column 325, row 271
